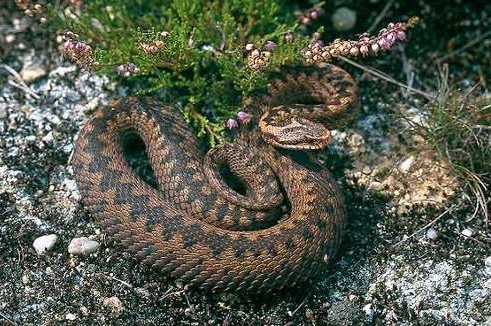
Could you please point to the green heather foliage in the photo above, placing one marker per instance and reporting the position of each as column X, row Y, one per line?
column 209, row 75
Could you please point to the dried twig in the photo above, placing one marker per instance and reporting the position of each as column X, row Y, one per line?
column 381, row 15
column 8, row 319
column 386, row 77
column 424, row 227
column 300, row 306
column 20, row 82
column 465, row 47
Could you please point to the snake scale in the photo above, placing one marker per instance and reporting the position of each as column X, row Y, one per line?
column 278, row 229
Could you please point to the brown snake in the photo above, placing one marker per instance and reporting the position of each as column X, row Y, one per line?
column 194, row 226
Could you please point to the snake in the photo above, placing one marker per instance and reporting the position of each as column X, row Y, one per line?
column 258, row 214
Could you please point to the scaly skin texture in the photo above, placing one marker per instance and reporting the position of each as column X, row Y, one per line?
column 193, row 226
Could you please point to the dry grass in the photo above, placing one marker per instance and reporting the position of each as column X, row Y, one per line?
column 457, row 126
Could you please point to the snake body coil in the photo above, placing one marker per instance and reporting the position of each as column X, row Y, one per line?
column 194, row 226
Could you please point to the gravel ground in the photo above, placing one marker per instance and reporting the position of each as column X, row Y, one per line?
column 391, row 268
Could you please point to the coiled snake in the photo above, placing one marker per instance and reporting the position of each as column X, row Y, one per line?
column 195, row 227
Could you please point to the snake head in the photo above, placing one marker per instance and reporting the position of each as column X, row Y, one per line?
column 295, row 133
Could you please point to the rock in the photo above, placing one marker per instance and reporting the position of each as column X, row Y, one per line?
column 45, row 243
column 406, row 164
column 343, row 19
column 70, row 316
column 3, row 112
column 487, row 284
column 369, row 311
column 10, row 38
column 344, row 313
column 467, row 233
column 377, row 186
column 25, row 279
column 431, row 234
column 83, row 246
column 113, row 304
column 487, row 264
column 31, row 73
column 478, row 295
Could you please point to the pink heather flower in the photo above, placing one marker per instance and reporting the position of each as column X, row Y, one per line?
column 383, row 43
column 318, row 44
column 363, row 50
column 241, row 116
column 68, row 45
column 390, row 38
column 354, row 51
column 401, row 36
column 131, row 67
column 121, row 69
column 375, row 47
column 79, row 46
column 314, row 14
column 269, row 45
column 232, row 123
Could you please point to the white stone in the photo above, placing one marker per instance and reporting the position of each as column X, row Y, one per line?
column 49, row 137
column 487, row 284
column 467, row 232
column 369, row 311
column 478, row 295
column 406, row 164
column 83, row 246
column 114, row 304
column 487, row 264
column 431, row 234
column 343, row 19
column 70, row 316
column 31, row 73
column 10, row 38
column 45, row 243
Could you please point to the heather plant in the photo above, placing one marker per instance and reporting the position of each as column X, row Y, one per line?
column 203, row 56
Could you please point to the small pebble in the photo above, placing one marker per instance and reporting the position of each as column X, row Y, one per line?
column 84, row 310
column 25, row 279
column 343, row 19
column 10, row 38
column 31, row 73
column 3, row 112
column 406, row 164
column 369, row 311
column 114, row 304
column 487, row 264
column 45, row 243
column 377, row 186
column 479, row 295
column 431, row 234
column 467, row 232
column 83, row 246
